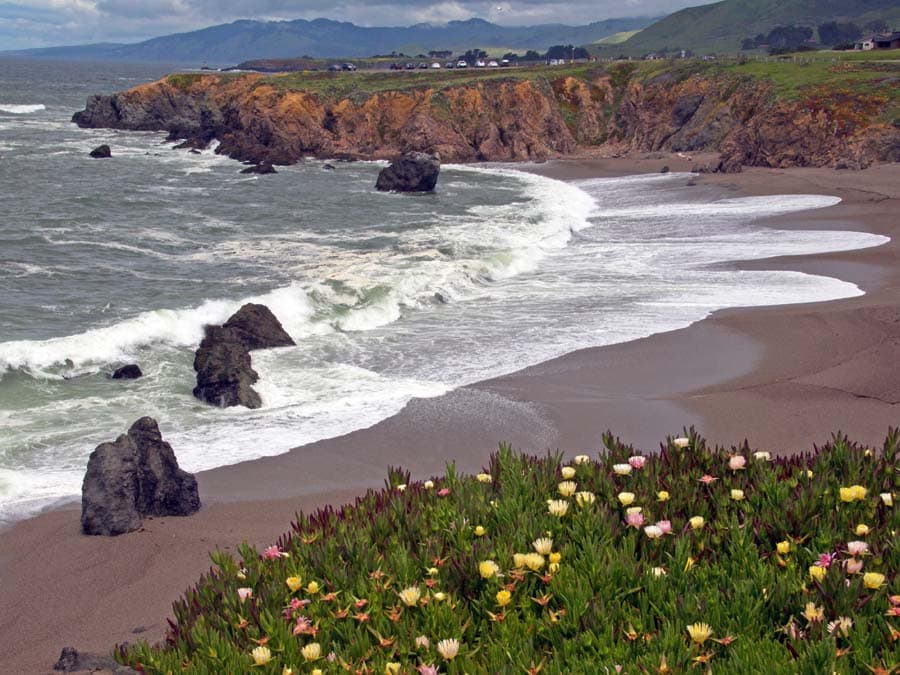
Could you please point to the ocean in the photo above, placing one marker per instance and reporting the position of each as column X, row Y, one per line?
column 389, row 297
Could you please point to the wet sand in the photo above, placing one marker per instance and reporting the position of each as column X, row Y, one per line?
column 785, row 377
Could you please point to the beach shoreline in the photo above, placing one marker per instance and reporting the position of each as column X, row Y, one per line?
column 784, row 376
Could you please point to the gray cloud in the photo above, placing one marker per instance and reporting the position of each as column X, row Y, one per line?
column 40, row 23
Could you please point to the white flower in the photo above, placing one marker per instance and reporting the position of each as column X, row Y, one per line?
column 887, row 498
column 543, row 545
column 567, row 472
column 737, row 462
column 484, row 478
column 428, row 484
column 558, row 507
column 653, row 531
column 622, row 469
column 681, row 442
column 581, row 459
column 626, row 498
column 658, row 571
column 762, row 456
column 448, row 648
column 584, row 498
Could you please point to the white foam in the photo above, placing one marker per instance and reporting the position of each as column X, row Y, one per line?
column 13, row 109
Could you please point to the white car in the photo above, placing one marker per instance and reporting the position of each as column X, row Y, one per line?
column 493, row 64
column 436, row 66
column 479, row 63
column 462, row 64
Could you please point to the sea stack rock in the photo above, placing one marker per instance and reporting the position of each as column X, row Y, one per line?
column 225, row 376
column 101, row 152
column 129, row 372
column 262, row 168
column 413, row 172
column 133, row 477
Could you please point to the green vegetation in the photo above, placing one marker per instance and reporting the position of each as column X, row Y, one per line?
column 733, row 561
column 184, row 81
column 618, row 38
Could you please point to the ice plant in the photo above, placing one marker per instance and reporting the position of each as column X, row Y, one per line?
column 410, row 596
column 581, row 459
column 681, row 442
column 584, row 498
column 479, row 531
column 621, row 469
column 699, row 632
column 312, row 651
column 448, row 648
column 543, row 545
column 312, row 587
column 697, row 522
column 558, row 507
column 737, row 495
column 873, row 580
column 635, row 519
column 626, row 498
column 653, row 531
column 853, row 565
column 854, row 493
column 484, row 478
column 244, row 593
column 662, row 496
column 840, row 626
column 534, row 561
column 503, row 597
column 783, row 547
column 812, row 613
column 423, row 642
column 261, row 655
column 637, row 461
column 567, row 472
column 567, row 488
column 706, row 479
column 737, row 462
column 856, row 548
column 293, row 583
column 665, row 526
column 887, row 498
column 659, row 571
column 428, row 484
column 762, row 456
column 862, row 530
column 488, row 569
column 817, row 572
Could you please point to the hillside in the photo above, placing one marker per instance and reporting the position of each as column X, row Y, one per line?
column 720, row 27
column 759, row 113
column 232, row 43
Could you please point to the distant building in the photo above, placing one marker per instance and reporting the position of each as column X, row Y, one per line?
column 881, row 41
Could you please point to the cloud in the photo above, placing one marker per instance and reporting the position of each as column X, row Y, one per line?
column 40, row 23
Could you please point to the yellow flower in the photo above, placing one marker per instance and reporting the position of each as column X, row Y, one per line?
column 662, row 496
column 440, row 596
column 631, row 510
column 480, row 531
column 567, row 472
column 503, row 597
column 817, row 573
column 581, row 459
column 737, row 495
column 392, row 668
column 433, row 571
column 555, row 557
column 293, row 583
column 887, row 498
column 316, row 671
column 543, row 545
column 553, row 567
column 261, row 655
column 697, row 522
column 558, row 507
column 812, row 613
column 484, row 478
column 312, row 587
column 584, row 498
column 410, row 596
column 699, row 632
column 488, row 569
column 519, row 560
column 783, row 547
column 312, row 651
column 689, row 564
column 854, row 493
column 862, row 530
column 873, row 580
column 287, row 671
column 626, row 498
column 567, row 488
column 534, row 561
column 448, row 648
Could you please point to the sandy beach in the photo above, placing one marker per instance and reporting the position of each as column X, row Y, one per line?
column 784, row 377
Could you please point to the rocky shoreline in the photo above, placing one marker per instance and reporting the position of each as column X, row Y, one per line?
column 607, row 114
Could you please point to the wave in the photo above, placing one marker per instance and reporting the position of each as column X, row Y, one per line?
column 13, row 109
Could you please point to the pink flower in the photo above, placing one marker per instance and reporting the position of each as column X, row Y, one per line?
column 443, row 492
column 634, row 519
column 637, row 461
column 854, row 566
column 271, row 553
column 856, row 548
column 825, row 560
column 737, row 462
column 708, row 480
column 427, row 670
column 304, row 626
column 665, row 526
column 297, row 603
column 244, row 593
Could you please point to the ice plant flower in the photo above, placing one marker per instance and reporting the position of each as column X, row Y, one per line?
column 854, row 493
column 410, row 596
column 706, row 479
column 567, row 472
column 626, row 498
column 484, row 478
column 448, row 648
column 558, row 507
column 503, row 597
column 873, row 580
column 479, row 531
column 633, row 509
column 244, row 593
column 853, row 565
column 783, row 547
column 543, row 545
column 737, row 462
column 681, row 442
column 488, row 569
column 261, row 655
column 293, row 583
column 665, row 526
column 392, row 668
column 534, row 561
column 428, row 484
column 737, row 495
column 439, row 596
column 817, row 572
column 658, row 571
column 555, row 558
column 862, row 530
column 653, row 531
column 697, row 522
column 312, row 587
column 427, row 669
column 401, row 487
column 887, row 498
column 841, row 626
column 825, row 559
column 581, row 459
column 312, row 651
column 662, row 496
column 856, row 548
column 567, row 488
column 423, row 642
column 634, row 519
column 762, row 456
column 443, row 492
column 621, row 469
column 519, row 560
column 637, row 461
column 699, row 632
column 584, row 498
column 813, row 614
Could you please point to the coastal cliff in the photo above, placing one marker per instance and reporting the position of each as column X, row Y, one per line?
column 512, row 117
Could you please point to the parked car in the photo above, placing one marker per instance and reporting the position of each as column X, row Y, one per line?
column 396, row 66
column 450, row 64
column 505, row 63
column 334, row 68
column 410, row 66
column 423, row 66
column 462, row 64
column 349, row 67
column 436, row 66
column 479, row 63
column 493, row 64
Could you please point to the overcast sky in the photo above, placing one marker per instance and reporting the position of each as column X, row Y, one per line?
column 44, row 23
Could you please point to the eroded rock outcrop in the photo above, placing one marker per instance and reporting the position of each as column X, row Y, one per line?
column 130, row 372
column 225, row 375
column 133, row 477
column 101, row 152
column 413, row 172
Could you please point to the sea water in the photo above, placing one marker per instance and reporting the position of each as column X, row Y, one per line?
column 389, row 297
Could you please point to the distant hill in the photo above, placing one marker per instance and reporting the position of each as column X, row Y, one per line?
column 720, row 27
column 231, row 43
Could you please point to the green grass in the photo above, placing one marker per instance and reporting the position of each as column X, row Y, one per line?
column 791, row 563
column 617, row 38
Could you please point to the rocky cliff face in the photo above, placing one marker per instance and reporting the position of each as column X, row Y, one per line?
column 507, row 120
